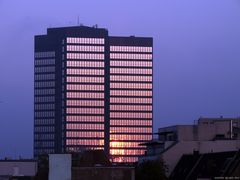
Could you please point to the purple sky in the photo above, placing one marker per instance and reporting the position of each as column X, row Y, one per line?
column 196, row 56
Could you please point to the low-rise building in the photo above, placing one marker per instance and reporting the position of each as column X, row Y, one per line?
column 103, row 173
column 17, row 169
column 209, row 135
column 87, row 165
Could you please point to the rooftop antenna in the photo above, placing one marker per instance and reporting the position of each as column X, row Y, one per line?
column 78, row 21
column 95, row 26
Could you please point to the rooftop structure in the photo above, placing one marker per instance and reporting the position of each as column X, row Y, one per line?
column 209, row 135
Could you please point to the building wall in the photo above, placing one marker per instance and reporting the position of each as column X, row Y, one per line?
column 209, row 130
column 16, row 168
column 60, row 166
column 131, row 94
column 185, row 133
column 206, row 129
column 44, row 101
column 210, row 127
column 84, row 92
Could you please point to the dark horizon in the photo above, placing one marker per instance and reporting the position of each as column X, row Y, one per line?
column 196, row 57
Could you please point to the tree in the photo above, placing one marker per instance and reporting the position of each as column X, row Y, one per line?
column 151, row 170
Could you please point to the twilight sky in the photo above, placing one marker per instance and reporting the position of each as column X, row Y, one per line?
column 196, row 56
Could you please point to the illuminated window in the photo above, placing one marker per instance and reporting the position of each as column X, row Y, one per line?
column 130, row 71
column 131, row 85
column 131, row 78
column 131, row 137
column 130, row 49
column 93, row 142
column 84, row 103
column 85, row 48
column 78, row 134
column 130, row 130
column 131, row 107
column 85, row 126
column 85, row 56
column 84, row 64
column 74, row 40
column 85, row 79
column 127, row 122
column 131, row 100
column 85, row 110
column 130, row 56
column 130, row 115
column 131, row 63
column 85, row 71
column 82, row 118
column 127, row 151
column 114, row 144
column 87, row 95
column 130, row 93
column 85, row 87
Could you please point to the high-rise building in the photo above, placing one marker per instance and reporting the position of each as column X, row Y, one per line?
column 92, row 91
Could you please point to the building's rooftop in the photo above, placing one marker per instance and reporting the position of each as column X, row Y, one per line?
column 207, row 165
column 17, row 160
column 200, row 120
column 152, row 142
column 79, row 27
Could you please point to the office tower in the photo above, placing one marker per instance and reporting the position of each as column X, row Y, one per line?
column 92, row 91
column 130, row 96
